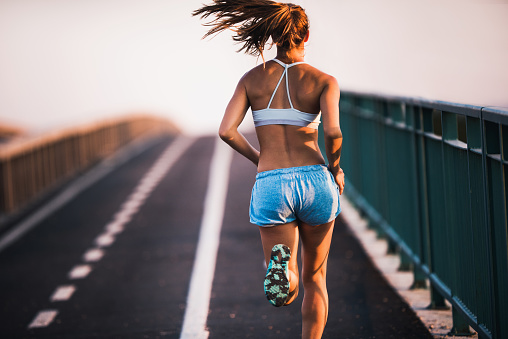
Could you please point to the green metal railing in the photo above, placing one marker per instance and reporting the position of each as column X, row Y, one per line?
column 431, row 177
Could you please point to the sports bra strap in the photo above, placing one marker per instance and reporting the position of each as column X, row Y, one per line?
column 286, row 66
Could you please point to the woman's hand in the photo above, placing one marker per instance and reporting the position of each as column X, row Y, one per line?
column 339, row 179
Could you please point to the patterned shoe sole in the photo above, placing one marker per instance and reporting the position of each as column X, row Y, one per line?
column 276, row 281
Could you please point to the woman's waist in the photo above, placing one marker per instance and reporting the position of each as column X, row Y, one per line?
column 275, row 163
column 293, row 172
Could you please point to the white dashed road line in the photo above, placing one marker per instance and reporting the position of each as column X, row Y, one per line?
column 80, row 272
column 130, row 207
column 93, row 255
column 114, row 227
column 43, row 318
column 105, row 240
column 63, row 293
column 73, row 190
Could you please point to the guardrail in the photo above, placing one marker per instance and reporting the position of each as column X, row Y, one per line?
column 432, row 178
column 30, row 167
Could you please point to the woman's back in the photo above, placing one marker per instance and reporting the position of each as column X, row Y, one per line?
column 285, row 145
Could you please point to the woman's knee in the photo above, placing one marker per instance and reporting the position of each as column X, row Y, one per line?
column 313, row 278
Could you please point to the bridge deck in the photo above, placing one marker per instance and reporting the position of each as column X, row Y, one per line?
column 138, row 288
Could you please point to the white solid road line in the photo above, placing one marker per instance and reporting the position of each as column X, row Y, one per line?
column 198, row 299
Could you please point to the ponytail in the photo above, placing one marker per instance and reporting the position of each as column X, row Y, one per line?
column 255, row 21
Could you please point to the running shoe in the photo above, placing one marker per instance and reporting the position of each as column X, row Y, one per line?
column 276, row 279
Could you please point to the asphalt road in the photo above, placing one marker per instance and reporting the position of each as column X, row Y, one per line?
column 135, row 283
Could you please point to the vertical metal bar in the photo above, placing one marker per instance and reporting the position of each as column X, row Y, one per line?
column 9, row 189
column 460, row 326
column 419, row 279
column 424, row 206
column 503, row 164
column 490, row 237
column 32, row 170
column 478, row 227
column 446, row 202
column 456, row 193
column 2, row 186
column 497, row 211
column 406, row 264
column 437, row 301
column 434, row 197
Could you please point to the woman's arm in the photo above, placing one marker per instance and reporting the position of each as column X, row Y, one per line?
column 234, row 115
column 329, row 104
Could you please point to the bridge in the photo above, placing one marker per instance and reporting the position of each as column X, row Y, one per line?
column 130, row 229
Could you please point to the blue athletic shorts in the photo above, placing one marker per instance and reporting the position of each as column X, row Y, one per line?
column 307, row 193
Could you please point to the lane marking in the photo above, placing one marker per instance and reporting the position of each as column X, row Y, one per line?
column 114, row 228
column 130, row 207
column 93, row 255
column 198, row 299
column 80, row 271
column 43, row 318
column 139, row 196
column 75, row 188
column 104, row 240
column 63, row 293
column 132, row 204
column 123, row 216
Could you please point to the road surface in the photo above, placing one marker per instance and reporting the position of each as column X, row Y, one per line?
column 116, row 261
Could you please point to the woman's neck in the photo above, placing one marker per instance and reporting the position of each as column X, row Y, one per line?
column 290, row 56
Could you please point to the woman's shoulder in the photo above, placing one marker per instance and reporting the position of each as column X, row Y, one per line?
column 261, row 70
column 310, row 73
column 323, row 77
column 318, row 80
column 259, row 73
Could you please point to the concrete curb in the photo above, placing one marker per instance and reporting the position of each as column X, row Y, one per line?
column 438, row 322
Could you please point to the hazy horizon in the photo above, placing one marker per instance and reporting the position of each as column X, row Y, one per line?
column 64, row 63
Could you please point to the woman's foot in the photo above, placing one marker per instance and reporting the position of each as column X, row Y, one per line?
column 276, row 279
column 292, row 296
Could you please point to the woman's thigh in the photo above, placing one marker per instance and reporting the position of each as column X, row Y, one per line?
column 316, row 242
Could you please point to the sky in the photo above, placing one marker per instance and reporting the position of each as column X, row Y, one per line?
column 63, row 63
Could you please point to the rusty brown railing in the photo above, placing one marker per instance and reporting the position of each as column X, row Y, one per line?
column 31, row 166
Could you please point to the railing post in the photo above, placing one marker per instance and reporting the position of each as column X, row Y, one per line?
column 406, row 264
column 9, row 195
column 419, row 279
column 495, row 186
column 371, row 224
column 392, row 246
column 460, row 325
column 437, row 301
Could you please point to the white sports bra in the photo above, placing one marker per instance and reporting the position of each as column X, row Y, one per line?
column 285, row 116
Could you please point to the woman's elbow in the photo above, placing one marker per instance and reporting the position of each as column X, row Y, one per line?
column 226, row 134
column 333, row 133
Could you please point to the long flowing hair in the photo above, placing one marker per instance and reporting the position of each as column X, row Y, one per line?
column 255, row 21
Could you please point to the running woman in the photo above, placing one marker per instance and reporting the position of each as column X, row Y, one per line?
column 295, row 195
